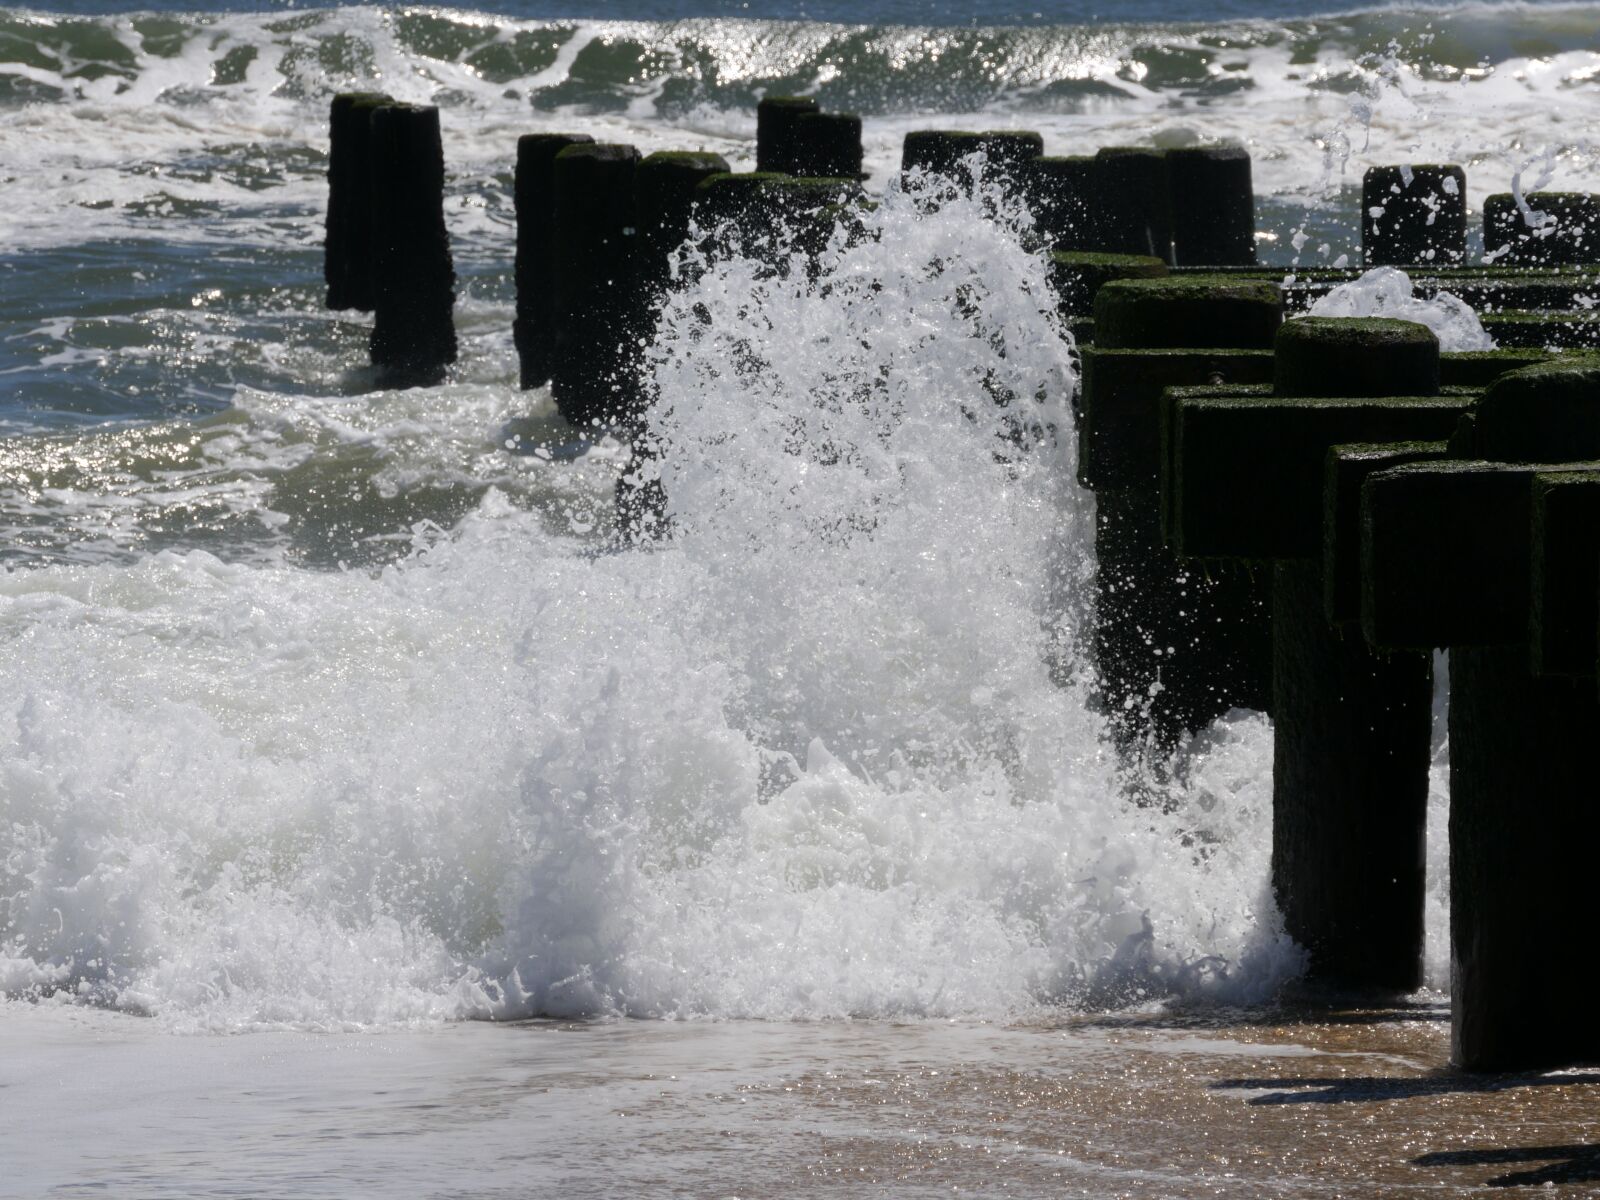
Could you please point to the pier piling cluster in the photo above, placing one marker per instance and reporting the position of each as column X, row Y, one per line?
column 1294, row 514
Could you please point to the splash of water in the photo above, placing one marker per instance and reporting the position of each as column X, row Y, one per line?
column 1386, row 292
column 804, row 756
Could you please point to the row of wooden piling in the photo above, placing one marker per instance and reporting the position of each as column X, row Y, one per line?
column 1291, row 516
column 1294, row 517
column 597, row 224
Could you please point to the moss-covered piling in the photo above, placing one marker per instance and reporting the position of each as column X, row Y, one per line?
column 1451, row 553
column 1564, row 613
column 1176, row 644
column 1188, row 312
column 1355, row 356
column 1245, row 475
column 1078, row 276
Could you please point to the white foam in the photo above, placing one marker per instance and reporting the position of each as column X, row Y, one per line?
column 1386, row 292
column 804, row 758
column 1313, row 104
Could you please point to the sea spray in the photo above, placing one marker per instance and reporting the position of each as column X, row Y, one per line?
column 801, row 757
column 1387, row 292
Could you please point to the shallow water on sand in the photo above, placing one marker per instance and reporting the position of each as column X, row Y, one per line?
column 1127, row 1105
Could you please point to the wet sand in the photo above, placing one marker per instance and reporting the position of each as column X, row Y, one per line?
column 1126, row 1105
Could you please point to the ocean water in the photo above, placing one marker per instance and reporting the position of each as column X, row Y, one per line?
column 344, row 716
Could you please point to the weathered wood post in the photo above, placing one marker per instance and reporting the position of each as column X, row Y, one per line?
column 413, row 326
column 1352, row 726
column 1414, row 214
column 1565, row 232
column 534, row 329
column 1175, row 645
column 1135, row 211
column 347, row 252
column 1213, row 206
column 1061, row 192
column 1493, row 553
column 945, row 152
column 666, row 189
column 828, row 146
column 594, row 376
column 1078, row 275
column 778, row 143
column 772, row 218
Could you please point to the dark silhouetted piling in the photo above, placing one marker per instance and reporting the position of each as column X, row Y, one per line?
column 599, row 309
column 1548, row 229
column 535, row 324
column 1351, row 725
column 347, row 252
column 413, row 327
column 1523, row 828
column 1475, row 532
column 778, row 145
column 1005, row 154
column 828, row 146
column 1176, row 644
column 1135, row 214
column 1212, row 205
column 1414, row 215
column 776, row 219
column 1061, row 193
column 666, row 189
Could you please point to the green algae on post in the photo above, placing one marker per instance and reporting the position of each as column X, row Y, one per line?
column 1188, row 312
column 1356, row 356
column 1078, row 276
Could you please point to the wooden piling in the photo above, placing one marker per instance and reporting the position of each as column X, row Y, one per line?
column 599, row 309
column 1523, row 822
column 1132, row 200
column 534, row 329
column 827, row 146
column 1414, row 215
column 1351, row 725
column 413, row 327
column 347, row 250
column 778, row 147
column 1557, row 229
column 1212, row 202
column 1061, row 193
column 1176, row 644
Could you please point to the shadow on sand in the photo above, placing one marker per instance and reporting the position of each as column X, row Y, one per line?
column 1559, row 1164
